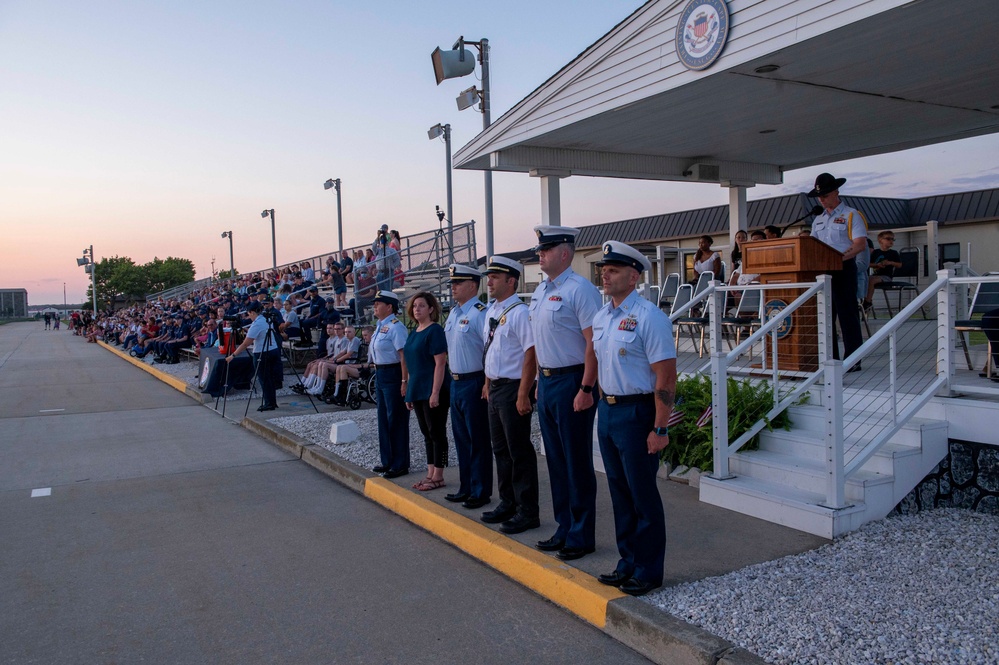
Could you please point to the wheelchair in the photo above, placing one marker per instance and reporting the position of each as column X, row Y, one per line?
column 361, row 389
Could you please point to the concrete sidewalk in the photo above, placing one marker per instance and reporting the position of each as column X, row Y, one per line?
column 702, row 541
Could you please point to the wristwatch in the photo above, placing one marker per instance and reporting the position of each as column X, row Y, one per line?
column 660, row 431
column 586, row 389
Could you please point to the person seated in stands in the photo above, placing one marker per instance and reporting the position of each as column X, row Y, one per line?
column 308, row 273
column 328, row 316
column 311, row 317
column 365, row 291
column 311, row 373
column 183, row 338
column 343, row 349
column 884, row 261
column 706, row 259
column 347, row 267
column 291, row 328
column 350, row 369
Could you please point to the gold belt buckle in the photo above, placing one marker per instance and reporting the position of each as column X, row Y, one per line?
column 611, row 399
column 546, row 372
column 455, row 375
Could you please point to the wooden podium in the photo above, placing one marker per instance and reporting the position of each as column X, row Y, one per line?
column 789, row 261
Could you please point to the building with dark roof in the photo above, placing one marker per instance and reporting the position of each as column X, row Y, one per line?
column 967, row 229
column 13, row 303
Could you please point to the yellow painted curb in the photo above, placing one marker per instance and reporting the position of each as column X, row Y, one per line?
column 168, row 379
column 564, row 585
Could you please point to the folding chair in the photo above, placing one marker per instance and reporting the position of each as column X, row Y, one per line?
column 910, row 269
column 684, row 295
column 668, row 292
column 986, row 299
column 747, row 315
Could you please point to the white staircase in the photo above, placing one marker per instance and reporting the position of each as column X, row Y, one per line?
column 785, row 480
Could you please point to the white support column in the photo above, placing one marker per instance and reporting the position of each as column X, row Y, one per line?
column 551, row 204
column 933, row 250
column 946, row 310
column 738, row 217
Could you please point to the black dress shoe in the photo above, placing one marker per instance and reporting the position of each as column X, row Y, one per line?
column 266, row 407
column 855, row 368
column 456, row 497
column 501, row 513
column 381, row 468
column 519, row 524
column 395, row 473
column 573, row 553
column 636, row 587
column 476, row 502
column 553, row 544
column 614, row 579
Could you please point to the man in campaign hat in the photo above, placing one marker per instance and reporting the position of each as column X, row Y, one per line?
column 466, row 339
column 844, row 229
column 561, row 315
column 510, row 366
column 632, row 347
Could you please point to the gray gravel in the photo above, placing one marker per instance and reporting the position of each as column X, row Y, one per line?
column 906, row 589
column 364, row 451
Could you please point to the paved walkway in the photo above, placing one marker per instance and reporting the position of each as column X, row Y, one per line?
column 702, row 541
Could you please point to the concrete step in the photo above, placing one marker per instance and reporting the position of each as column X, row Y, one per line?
column 797, row 509
column 801, row 473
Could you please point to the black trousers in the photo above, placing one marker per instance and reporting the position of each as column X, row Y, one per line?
column 269, row 371
column 516, row 461
column 845, row 309
column 433, row 425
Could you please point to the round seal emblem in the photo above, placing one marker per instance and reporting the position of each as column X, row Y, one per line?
column 701, row 33
column 206, row 372
column 772, row 309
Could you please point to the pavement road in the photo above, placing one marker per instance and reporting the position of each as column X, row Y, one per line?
column 172, row 535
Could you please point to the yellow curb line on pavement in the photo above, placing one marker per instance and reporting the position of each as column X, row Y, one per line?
column 564, row 585
column 171, row 381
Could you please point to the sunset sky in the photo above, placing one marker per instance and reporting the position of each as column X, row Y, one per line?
column 147, row 129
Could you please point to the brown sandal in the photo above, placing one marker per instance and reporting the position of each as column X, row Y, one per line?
column 417, row 485
column 431, row 484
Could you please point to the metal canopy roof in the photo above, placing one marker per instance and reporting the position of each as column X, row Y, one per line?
column 855, row 78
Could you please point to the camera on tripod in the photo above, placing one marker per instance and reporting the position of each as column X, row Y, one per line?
column 231, row 319
column 269, row 314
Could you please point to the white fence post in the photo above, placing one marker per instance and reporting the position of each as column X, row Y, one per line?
column 946, row 311
column 833, row 403
column 823, row 319
column 719, row 385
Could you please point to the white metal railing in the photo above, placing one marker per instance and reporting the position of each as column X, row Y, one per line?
column 881, row 404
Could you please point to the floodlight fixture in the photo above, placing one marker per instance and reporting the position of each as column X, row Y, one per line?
column 264, row 214
column 82, row 262
column 467, row 98
column 435, row 132
column 458, row 62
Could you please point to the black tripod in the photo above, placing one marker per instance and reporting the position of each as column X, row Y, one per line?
column 270, row 338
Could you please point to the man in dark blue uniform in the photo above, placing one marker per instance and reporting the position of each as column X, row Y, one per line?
column 561, row 316
column 465, row 330
column 326, row 317
column 632, row 347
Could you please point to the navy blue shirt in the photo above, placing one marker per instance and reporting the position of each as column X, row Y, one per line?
column 421, row 347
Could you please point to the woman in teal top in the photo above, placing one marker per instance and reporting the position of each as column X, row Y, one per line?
column 428, row 389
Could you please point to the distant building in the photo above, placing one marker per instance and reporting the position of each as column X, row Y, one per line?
column 13, row 303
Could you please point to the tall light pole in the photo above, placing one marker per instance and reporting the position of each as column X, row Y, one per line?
column 335, row 184
column 264, row 215
column 434, row 132
column 453, row 64
column 90, row 266
column 232, row 265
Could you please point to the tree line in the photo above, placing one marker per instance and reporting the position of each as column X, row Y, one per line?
column 121, row 280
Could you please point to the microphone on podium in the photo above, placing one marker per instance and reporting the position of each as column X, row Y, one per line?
column 814, row 211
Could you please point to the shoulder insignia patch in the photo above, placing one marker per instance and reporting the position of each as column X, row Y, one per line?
column 479, row 306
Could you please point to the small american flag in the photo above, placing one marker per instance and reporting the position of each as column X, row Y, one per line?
column 705, row 418
column 675, row 418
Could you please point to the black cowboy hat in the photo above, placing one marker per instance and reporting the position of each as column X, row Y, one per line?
column 826, row 183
